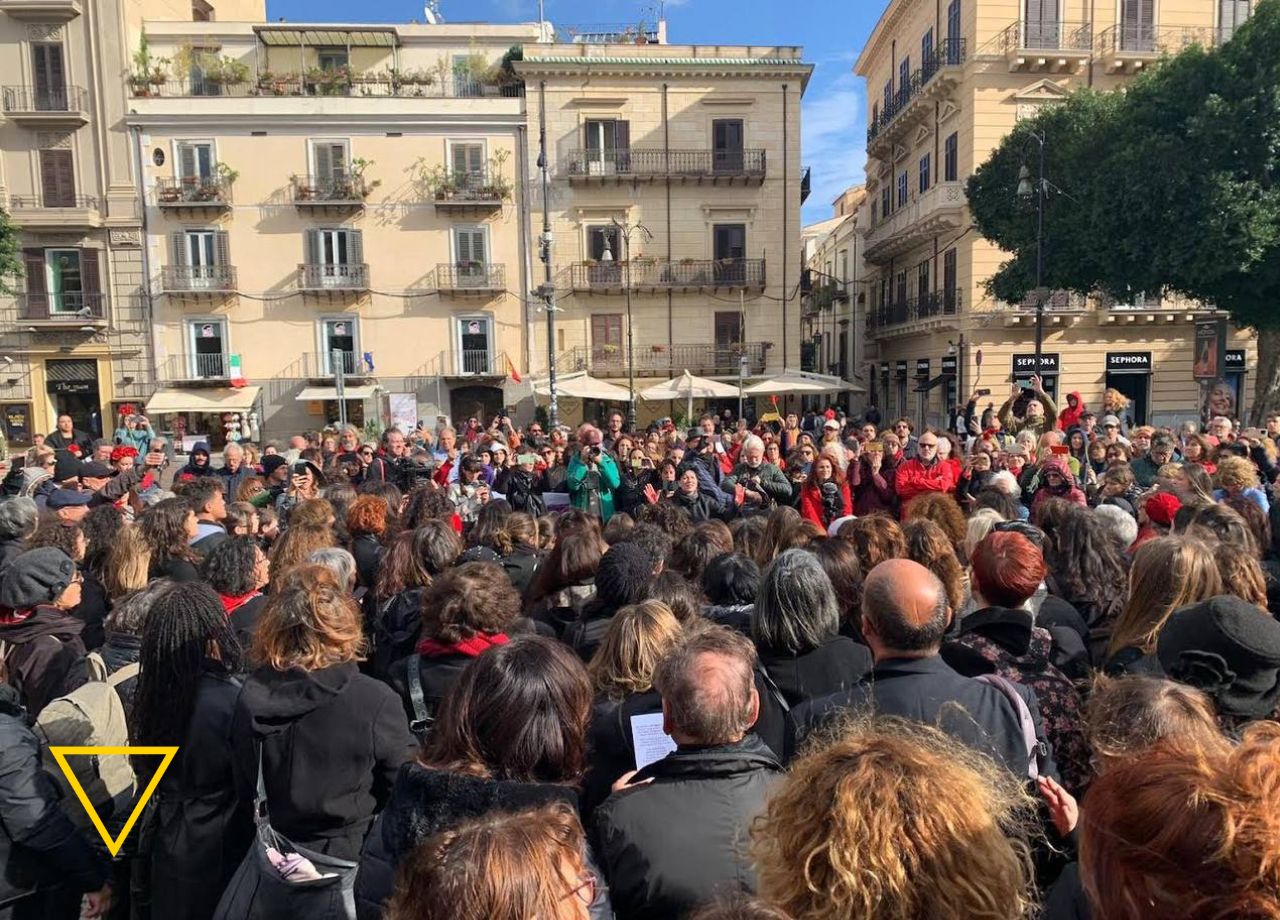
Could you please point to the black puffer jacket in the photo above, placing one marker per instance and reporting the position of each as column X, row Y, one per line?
column 681, row 840
column 368, row 553
column 395, row 625
column 837, row 664
column 427, row 801
column 45, row 657
column 611, row 748
column 38, row 844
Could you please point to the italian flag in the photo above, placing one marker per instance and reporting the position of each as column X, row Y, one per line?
column 236, row 373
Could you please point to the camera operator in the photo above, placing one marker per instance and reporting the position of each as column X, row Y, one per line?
column 470, row 492
column 764, row 485
column 592, row 475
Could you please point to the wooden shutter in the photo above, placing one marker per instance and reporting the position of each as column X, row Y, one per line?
column 50, row 77
column 90, row 272
column 338, row 161
column 355, row 247
column 622, row 134
column 57, row 178
column 606, row 329
column 178, row 253
column 221, row 248
column 37, row 290
column 324, row 163
column 311, row 246
column 728, row 328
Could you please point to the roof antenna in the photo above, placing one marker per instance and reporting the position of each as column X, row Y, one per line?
column 432, row 13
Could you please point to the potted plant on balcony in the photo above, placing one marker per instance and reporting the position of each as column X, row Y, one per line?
column 302, row 191
column 226, row 71
column 170, row 193
column 436, row 181
column 359, row 188
column 496, row 188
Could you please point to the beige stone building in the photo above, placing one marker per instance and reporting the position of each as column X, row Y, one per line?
column 945, row 82
column 833, row 302
column 675, row 177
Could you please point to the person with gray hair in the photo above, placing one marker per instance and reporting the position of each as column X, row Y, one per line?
column 672, row 835
column 338, row 561
column 796, row 628
column 18, row 519
column 764, row 485
column 1122, row 524
column 904, row 618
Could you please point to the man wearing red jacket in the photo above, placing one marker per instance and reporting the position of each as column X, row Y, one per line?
column 923, row 473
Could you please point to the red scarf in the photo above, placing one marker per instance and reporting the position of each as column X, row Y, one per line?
column 472, row 648
column 232, row 604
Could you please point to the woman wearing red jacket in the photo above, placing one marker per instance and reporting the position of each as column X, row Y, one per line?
column 825, row 494
column 923, row 473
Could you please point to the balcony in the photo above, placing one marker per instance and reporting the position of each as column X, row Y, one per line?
column 665, row 360
column 471, row 192
column 806, row 185
column 1129, row 47
column 318, row 193
column 471, row 278
column 586, row 166
column 321, row 365
column 933, row 80
column 939, row 210
column 822, row 297
column 194, row 194
column 1061, row 308
column 657, row 275
column 79, row 212
column 64, row 108
column 1168, row 308
column 914, row 310
column 640, row 33
column 211, row 280
column 342, row 83
column 1054, row 47
column 349, row 278
column 63, row 310
column 41, row 10
column 213, row 368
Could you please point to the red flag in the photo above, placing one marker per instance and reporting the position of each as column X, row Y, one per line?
column 511, row 369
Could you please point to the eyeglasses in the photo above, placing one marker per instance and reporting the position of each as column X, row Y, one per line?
column 586, row 890
column 927, row 443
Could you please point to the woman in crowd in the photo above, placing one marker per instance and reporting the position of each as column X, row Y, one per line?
column 730, row 584
column 324, row 785
column 239, row 571
column 295, row 545
column 168, row 527
column 1086, row 569
column 466, row 611
column 566, row 581
column 929, row 545
column 1237, row 476
column 43, row 654
column 200, row 823
column 824, row 497
column 796, row 628
column 368, row 528
column 875, row 538
column 517, row 547
column 839, row 560
column 859, row 829
column 123, row 645
column 470, row 492
column 1167, row 573
column 510, row 734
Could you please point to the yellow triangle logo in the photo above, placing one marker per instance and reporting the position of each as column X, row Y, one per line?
column 62, row 752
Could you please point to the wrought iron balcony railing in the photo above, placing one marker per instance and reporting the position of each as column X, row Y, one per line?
column 666, row 360
column 197, row 278
column 23, row 100
column 68, row 307
column 950, row 52
column 637, row 162
column 193, row 191
column 661, row 274
column 350, row 276
column 20, row 203
column 471, row 189
column 336, row 189
column 199, row 366
column 912, row 309
column 475, row 276
column 1047, row 36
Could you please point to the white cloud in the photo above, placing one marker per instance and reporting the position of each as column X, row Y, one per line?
column 833, row 140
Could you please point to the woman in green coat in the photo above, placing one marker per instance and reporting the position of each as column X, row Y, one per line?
column 592, row 475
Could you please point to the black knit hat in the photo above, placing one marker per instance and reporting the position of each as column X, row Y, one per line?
column 1228, row 648
column 271, row 463
column 37, row 576
column 624, row 575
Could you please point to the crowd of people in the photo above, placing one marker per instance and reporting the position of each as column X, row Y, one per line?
column 815, row 668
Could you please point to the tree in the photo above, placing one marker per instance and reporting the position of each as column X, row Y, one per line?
column 10, row 259
column 1169, row 185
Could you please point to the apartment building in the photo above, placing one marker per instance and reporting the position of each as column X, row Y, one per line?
column 674, row 196
column 333, row 206
column 832, row 300
column 946, row 82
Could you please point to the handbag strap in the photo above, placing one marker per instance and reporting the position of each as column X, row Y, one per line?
column 417, row 697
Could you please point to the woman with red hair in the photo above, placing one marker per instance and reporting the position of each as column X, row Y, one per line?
column 1001, row 637
column 824, row 497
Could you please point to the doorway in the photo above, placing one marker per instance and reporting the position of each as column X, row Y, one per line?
column 1137, row 389
column 73, row 390
column 479, row 402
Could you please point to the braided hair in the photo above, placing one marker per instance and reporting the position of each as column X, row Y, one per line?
column 185, row 623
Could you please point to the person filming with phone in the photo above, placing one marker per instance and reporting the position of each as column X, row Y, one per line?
column 1039, row 414
column 592, row 475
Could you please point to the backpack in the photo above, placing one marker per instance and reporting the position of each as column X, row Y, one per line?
column 423, row 716
column 1037, row 750
column 92, row 715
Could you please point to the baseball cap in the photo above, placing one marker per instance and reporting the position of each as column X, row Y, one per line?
column 92, row 469
column 1110, row 420
column 830, row 423
column 67, row 498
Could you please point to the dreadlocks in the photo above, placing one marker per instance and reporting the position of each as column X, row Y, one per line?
column 186, row 622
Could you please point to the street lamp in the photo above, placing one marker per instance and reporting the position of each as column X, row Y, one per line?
column 1040, row 190
column 624, row 231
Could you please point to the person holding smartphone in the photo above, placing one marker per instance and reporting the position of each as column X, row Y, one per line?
column 470, row 492
column 592, row 475
column 1040, row 413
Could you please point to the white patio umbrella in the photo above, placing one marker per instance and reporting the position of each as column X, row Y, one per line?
column 802, row 383
column 582, row 386
column 689, row 388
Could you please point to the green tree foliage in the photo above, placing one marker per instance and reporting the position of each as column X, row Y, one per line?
column 1170, row 185
column 10, row 259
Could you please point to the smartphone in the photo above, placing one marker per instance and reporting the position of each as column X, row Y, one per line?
column 985, row 391
column 1059, row 449
column 1024, row 384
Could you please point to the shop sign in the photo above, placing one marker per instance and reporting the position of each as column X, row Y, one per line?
column 1133, row 362
column 1024, row 365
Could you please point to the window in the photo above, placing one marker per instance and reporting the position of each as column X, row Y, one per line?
column 727, row 137
column 904, row 80
column 606, row 337
column 330, row 161
column 335, row 257
column 1043, row 28
column 953, row 32
column 607, row 143
column 201, row 85
column 922, row 280
column 875, row 112
column 888, row 97
column 338, row 335
column 924, row 173
column 466, row 160
column 844, row 266
column 61, row 281
column 604, row 250
column 64, row 280
column 875, row 209
column 886, row 202
column 475, row 344
column 49, row 77
column 332, row 58
column 1137, row 25
column 949, row 280
column 950, row 157
column 1231, row 15
column 200, row 256
column 465, row 84
column 727, row 329
column 195, row 161
column 903, row 187
column 57, row 179
column 729, row 243
column 207, row 348
column 470, row 256
column 901, row 297
column 927, row 50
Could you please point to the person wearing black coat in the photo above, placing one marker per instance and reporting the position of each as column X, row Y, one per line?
column 523, row 487
column 368, row 554
column 47, row 864
column 611, row 743
column 904, row 618
column 623, row 578
column 674, row 837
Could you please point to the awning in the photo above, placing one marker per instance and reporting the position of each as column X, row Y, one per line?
column 324, row 36
column 313, row 394
column 802, row 383
column 582, row 385
column 687, row 386
column 219, row 399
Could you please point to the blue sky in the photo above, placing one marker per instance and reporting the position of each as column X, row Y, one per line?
column 831, row 31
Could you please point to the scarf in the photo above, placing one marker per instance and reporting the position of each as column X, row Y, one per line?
column 232, row 604
column 472, row 647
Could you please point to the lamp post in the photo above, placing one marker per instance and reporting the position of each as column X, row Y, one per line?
column 1040, row 191
column 624, row 231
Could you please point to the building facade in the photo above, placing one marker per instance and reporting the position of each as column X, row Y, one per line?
column 945, row 83
column 674, row 199
column 833, row 302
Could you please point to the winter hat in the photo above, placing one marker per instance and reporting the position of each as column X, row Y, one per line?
column 498, row 446
column 92, row 469
column 67, row 468
column 1109, row 420
column 1122, row 503
column 201, row 447
column 1228, row 648
column 624, row 573
column 37, row 576
column 479, row 554
column 67, row 498
column 1161, row 508
column 271, row 463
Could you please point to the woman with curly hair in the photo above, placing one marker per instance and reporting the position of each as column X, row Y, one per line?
column 943, row 510
column 930, row 546
column 369, row 527
column 168, row 527
column 295, row 545
column 1237, row 476
column 859, row 829
column 875, row 538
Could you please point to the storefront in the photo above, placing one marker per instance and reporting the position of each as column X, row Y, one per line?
column 1024, row 368
column 72, row 385
column 189, row 416
column 1129, row 372
column 322, row 402
column 1235, row 377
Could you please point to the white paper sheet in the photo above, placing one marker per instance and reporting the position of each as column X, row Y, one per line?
column 648, row 738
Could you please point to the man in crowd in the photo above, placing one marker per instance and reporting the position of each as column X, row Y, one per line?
column 234, row 471
column 209, row 503
column 1040, row 412
column 392, row 450
column 70, row 438
column 1145, row 467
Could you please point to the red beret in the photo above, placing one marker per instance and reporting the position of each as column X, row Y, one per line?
column 1161, row 508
